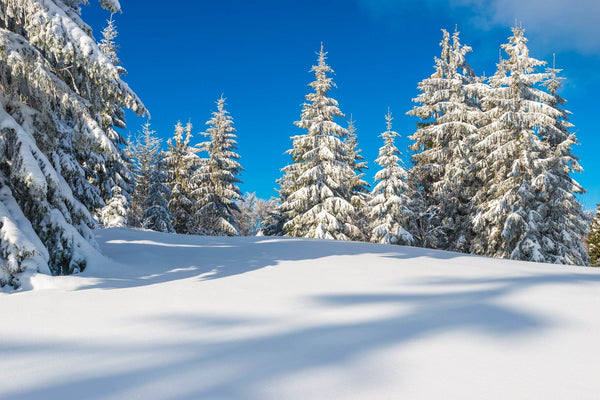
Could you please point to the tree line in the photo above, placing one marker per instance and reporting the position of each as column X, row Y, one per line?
column 490, row 172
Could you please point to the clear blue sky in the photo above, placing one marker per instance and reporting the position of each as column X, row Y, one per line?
column 182, row 56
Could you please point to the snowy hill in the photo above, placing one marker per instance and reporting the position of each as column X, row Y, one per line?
column 184, row 317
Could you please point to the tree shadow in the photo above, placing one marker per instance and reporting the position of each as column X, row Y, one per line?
column 143, row 258
column 241, row 368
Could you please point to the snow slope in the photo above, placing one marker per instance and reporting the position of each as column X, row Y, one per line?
column 183, row 317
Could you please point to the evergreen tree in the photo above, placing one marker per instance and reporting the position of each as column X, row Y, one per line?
column 150, row 199
column 360, row 192
column 114, row 171
column 565, row 224
column 316, row 188
column 390, row 205
column 181, row 162
column 443, row 163
column 513, row 160
column 114, row 214
column 216, row 188
column 54, row 82
column 254, row 214
column 593, row 239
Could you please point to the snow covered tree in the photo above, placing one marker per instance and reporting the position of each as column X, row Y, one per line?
column 522, row 167
column 115, row 171
column 181, row 162
column 443, row 163
column 390, row 204
column 150, row 198
column 316, row 188
column 565, row 223
column 215, row 182
column 360, row 192
column 593, row 239
column 54, row 84
column 114, row 214
column 254, row 214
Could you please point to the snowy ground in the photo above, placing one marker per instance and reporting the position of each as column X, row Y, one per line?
column 181, row 317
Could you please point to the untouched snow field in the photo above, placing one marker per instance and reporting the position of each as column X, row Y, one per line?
column 184, row 317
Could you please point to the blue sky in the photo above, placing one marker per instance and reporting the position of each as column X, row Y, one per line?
column 181, row 58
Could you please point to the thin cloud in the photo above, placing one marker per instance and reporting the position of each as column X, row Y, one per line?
column 558, row 25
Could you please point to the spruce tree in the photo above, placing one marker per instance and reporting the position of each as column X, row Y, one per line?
column 513, row 160
column 114, row 214
column 443, row 170
column 54, row 83
column 316, row 188
column 216, row 181
column 390, row 203
column 565, row 224
column 360, row 192
column 150, row 199
column 181, row 162
column 593, row 239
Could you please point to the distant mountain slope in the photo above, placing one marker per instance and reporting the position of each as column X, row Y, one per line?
column 185, row 317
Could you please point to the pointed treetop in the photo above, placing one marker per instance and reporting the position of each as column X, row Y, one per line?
column 351, row 127
column 388, row 120
column 221, row 103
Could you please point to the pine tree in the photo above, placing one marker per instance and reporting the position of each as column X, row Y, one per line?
column 565, row 224
column 114, row 214
column 181, row 162
column 254, row 214
column 54, row 82
column 316, row 188
column 150, row 199
column 390, row 204
column 513, row 160
column 443, row 164
column 360, row 191
column 216, row 188
column 593, row 239
column 116, row 170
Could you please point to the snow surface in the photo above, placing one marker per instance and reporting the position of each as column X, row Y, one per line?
column 185, row 317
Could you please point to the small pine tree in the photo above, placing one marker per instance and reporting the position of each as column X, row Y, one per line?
column 114, row 214
column 360, row 192
column 215, row 182
column 593, row 239
column 316, row 188
column 390, row 204
column 181, row 162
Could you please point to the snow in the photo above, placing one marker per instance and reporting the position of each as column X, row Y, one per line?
column 189, row 317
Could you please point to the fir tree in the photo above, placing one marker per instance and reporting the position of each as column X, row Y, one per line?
column 593, row 239
column 514, row 161
column 316, row 188
column 360, row 192
column 114, row 214
column 390, row 205
column 150, row 199
column 54, row 83
column 565, row 224
column 181, row 162
column 443, row 171
column 216, row 188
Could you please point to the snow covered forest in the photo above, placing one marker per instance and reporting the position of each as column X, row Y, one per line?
column 490, row 172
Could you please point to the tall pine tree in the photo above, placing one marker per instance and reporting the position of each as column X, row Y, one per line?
column 443, row 173
column 54, row 85
column 181, row 163
column 514, row 161
column 216, row 181
column 316, row 188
